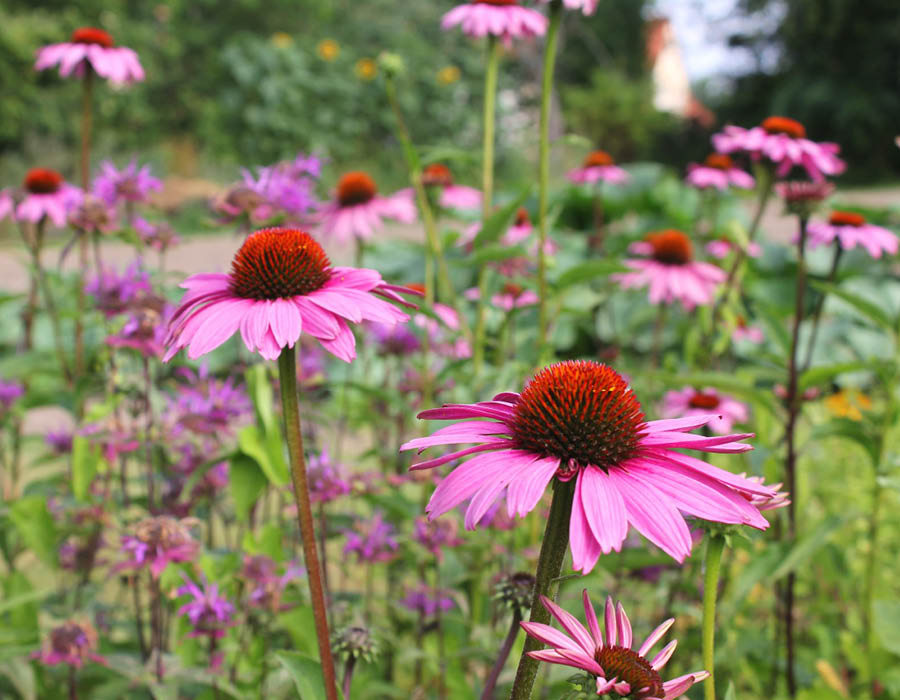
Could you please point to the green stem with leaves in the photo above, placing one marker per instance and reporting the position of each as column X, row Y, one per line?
column 553, row 551
column 550, row 50
column 487, row 187
column 714, row 548
column 287, row 375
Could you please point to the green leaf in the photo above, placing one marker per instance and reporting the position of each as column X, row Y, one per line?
column 35, row 525
column 865, row 307
column 587, row 271
column 731, row 693
column 808, row 545
column 85, row 460
column 886, row 621
column 852, row 430
column 252, row 444
column 493, row 253
column 246, row 482
column 820, row 375
column 499, row 221
column 24, row 599
column 21, row 677
column 306, row 672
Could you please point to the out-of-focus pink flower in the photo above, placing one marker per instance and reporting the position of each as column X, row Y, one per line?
column 157, row 542
column 372, row 540
column 452, row 196
column 95, row 50
column 426, row 601
column 599, row 166
column 443, row 330
column 718, row 172
column 722, row 247
column 205, row 405
column 72, row 643
column 779, row 500
column 851, row 229
column 7, row 204
column 609, row 657
column 115, row 294
column 519, row 231
column 742, row 331
column 92, row 215
column 267, row 585
column 210, row 612
column 670, row 272
column 160, row 236
column 326, row 478
column 47, row 195
column 436, row 535
column 783, row 142
column 501, row 18
column 357, row 210
column 690, row 402
column 398, row 339
column 130, row 184
column 60, row 441
column 10, row 392
column 513, row 296
column 145, row 328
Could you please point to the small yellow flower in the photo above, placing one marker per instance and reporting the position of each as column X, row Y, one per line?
column 366, row 69
column 328, row 49
column 847, row 404
column 282, row 39
column 448, row 75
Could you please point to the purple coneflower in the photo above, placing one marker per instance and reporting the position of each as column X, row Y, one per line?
column 598, row 166
column 204, row 405
column 281, row 284
column 47, row 195
column 357, row 210
column 500, row 18
column 452, row 196
column 671, row 272
column 580, row 420
column 608, row 654
column 718, row 172
column 690, row 402
column 851, row 229
column 783, row 142
column 95, row 50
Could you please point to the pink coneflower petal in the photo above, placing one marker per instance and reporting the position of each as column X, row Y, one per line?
column 655, row 636
column 662, row 658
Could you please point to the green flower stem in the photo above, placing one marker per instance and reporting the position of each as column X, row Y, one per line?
column 550, row 49
column 434, row 250
column 287, row 375
column 553, row 551
column 87, row 99
column 714, row 549
column 817, row 314
column 487, row 187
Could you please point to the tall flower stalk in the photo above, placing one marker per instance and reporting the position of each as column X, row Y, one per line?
column 714, row 548
column 553, row 551
column 287, row 376
column 85, row 172
column 487, row 186
column 550, row 49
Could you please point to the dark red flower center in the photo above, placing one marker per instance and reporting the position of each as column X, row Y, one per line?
column 705, row 401
column 596, row 159
column 671, row 247
column 437, row 175
column 43, row 181
column 580, row 411
column 522, row 217
column 416, row 287
column 784, row 125
column 92, row 35
column 355, row 188
column 719, row 161
column 512, row 289
column 630, row 667
column 846, row 218
column 279, row 263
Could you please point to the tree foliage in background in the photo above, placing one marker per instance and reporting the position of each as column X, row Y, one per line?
column 838, row 72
